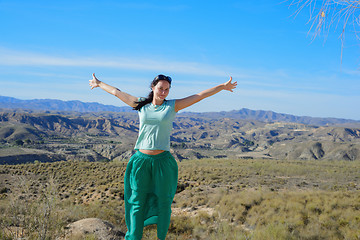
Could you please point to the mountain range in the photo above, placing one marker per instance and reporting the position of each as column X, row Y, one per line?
column 43, row 105
column 58, row 105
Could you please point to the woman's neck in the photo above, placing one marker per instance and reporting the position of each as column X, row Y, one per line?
column 157, row 102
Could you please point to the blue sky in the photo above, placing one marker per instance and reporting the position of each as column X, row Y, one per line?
column 49, row 49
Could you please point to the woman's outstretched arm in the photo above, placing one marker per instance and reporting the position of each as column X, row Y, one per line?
column 123, row 96
column 188, row 101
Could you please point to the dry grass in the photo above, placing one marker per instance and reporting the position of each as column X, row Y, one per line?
column 218, row 199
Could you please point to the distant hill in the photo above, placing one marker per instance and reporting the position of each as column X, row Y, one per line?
column 58, row 105
column 270, row 116
column 242, row 114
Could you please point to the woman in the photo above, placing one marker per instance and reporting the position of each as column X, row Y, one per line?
column 152, row 173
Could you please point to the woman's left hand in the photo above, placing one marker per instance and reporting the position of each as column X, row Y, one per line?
column 229, row 86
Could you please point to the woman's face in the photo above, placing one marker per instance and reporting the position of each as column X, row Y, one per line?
column 161, row 90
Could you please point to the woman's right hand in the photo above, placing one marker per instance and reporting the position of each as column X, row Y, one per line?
column 94, row 83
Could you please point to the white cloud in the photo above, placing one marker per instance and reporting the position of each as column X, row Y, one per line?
column 16, row 58
column 30, row 59
column 355, row 73
column 185, row 72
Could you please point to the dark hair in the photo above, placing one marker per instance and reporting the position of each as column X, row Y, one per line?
column 150, row 97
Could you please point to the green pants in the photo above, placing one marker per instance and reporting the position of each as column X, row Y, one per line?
column 150, row 187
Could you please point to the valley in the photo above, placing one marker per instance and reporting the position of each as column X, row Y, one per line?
column 46, row 137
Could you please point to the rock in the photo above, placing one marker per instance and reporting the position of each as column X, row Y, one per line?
column 93, row 227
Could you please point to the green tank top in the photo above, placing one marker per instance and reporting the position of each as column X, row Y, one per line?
column 155, row 126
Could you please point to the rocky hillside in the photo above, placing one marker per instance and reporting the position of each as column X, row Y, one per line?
column 28, row 137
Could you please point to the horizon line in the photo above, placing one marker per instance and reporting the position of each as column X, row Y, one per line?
column 198, row 112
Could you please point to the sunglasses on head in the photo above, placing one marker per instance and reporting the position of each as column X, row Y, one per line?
column 163, row 77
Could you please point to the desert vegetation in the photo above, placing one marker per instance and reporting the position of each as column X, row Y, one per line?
column 216, row 199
